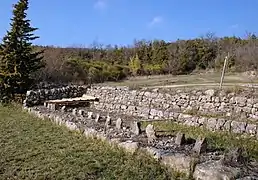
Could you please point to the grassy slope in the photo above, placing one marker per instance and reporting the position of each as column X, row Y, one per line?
column 198, row 78
column 35, row 149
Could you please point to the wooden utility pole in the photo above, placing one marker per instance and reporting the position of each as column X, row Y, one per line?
column 223, row 71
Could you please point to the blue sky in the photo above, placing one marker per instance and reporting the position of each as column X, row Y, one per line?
column 66, row 23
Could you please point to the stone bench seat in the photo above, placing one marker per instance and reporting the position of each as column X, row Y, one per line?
column 84, row 100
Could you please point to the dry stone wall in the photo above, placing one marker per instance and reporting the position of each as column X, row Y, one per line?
column 213, row 110
column 37, row 97
column 222, row 111
column 155, row 105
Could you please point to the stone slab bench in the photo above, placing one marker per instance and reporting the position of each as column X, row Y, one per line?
column 78, row 101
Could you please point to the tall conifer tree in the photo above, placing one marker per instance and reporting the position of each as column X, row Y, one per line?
column 18, row 60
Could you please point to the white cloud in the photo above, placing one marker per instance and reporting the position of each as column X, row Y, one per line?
column 100, row 4
column 156, row 20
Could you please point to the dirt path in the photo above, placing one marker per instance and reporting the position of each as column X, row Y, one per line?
column 206, row 84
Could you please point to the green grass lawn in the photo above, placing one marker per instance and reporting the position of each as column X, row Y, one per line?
column 35, row 149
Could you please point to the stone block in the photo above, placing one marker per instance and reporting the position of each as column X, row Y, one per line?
column 81, row 112
column 150, row 132
column 214, row 170
column 108, row 121
column 179, row 162
column 97, row 118
column 238, row 126
column 180, row 139
column 251, row 129
column 200, row 145
column 74, row 111
column 135, row 128
column 90, row 115
column 129, row 146
column 119, row 123
column 154, row 152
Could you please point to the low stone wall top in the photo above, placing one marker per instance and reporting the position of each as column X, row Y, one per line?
column 37, row 97
column 48, row 85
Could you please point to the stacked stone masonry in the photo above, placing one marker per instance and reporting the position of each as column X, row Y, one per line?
column 230, row 112
column 38, row 97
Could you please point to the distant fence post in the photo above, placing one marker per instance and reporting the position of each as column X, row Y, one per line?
column 223, row 71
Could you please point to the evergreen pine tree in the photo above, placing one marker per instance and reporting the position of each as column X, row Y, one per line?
column 18, row 60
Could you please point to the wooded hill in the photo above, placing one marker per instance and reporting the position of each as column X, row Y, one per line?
column 99, row 63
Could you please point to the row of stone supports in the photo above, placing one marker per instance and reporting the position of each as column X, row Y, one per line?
column 178, row 161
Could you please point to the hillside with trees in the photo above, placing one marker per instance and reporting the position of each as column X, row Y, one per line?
column 112, row 63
